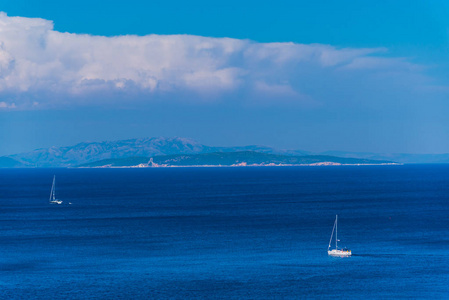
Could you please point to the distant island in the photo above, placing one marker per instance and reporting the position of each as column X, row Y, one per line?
column 230, row 159
column 177, row 152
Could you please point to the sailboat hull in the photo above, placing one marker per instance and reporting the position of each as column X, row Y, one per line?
column 336, row 252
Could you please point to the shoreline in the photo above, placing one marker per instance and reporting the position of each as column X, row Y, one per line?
column 234, row 166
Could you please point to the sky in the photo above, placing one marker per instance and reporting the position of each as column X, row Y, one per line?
column 362, row 76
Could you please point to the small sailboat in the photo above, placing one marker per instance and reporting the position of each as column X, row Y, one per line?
column 53, row 199
column 336, row 251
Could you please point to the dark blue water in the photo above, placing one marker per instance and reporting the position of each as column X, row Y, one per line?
column 225, row 233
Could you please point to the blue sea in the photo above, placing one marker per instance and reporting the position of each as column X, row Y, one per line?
column 226, row 233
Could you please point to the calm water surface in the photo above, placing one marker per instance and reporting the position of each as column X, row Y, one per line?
column 252, row 233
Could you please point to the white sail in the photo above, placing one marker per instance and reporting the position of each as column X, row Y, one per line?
column 53, row 199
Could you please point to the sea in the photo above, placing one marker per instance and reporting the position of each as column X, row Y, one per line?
column 225, row 233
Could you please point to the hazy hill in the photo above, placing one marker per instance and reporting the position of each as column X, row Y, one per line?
column 7, row 162
column 89, row 152
column 399, row 157
column 93, row 151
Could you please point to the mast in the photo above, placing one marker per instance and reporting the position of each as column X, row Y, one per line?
column 54, row 187
column 52, row 191
column 333, row 228
column 336, row 231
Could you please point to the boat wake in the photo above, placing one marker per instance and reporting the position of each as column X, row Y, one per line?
column 377, row 255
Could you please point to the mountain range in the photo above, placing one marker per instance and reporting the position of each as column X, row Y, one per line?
column 91, row 152
column 84, row 153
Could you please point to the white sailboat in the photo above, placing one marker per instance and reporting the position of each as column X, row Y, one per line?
column 53, row 199
column 336, row 251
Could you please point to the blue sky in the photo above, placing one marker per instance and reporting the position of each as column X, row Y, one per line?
column 312, row 75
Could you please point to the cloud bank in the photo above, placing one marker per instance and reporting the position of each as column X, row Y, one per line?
column 44, row 68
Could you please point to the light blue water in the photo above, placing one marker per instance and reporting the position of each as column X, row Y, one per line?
column 225, row 233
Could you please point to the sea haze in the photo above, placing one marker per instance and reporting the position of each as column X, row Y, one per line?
column 255, row 232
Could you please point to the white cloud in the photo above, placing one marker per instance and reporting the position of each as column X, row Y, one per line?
column 39, row 64
column 4, row 105
column 275, row 89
